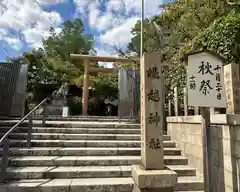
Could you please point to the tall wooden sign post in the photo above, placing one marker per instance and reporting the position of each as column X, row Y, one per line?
column 232, row 87
column 151, row 176
column 205, row 84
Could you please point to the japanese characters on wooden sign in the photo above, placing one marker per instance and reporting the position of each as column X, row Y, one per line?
column 232, row 87
column 152, row 96
column 205, row 81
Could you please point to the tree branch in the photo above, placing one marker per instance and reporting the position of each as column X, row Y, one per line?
column 123, row 54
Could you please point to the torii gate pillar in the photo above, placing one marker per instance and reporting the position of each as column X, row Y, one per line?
column 85, row 90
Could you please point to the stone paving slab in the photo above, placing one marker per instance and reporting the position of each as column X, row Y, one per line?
column 67, row 172
column 83, row 151
column 83, row 143
column 71, row 185
column 79, row 136
column 75, row 130
column 77, row 123
column 189, row 183
column 34, row 172
column 88, row 185
column 183, row 170
column 87, row 160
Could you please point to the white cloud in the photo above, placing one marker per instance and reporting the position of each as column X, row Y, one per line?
column 34, row 36
column 119, row 35
column 3, row 33
column 106, row 51
column 115, row 5
column 118, row 18
column 27, row 19
column 94, row 13
column 83, row 5
column 14, row 43
column 49, row 2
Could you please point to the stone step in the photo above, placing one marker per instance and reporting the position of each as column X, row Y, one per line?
column 70, row 185
column 90, row 185
column 91, row 124
column 52, row 136
column 87, row 160
column 183, row 170
column 189, row 183
column 83, row 143
column 74, row 124
column 65, row 172
column 86, row 118
column 83, row 151
column 74, row 130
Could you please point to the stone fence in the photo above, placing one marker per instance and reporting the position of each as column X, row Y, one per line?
column 187, row 132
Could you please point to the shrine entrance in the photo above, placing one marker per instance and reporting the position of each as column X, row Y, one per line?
column 87, row 59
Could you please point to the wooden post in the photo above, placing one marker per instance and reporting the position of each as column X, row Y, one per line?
column 196, row 111
column 85, row 87
column 152, row 124
column 205, row 112
column 185, row 101
column 176, row 105
column 212, row 110
column 169, row 108
column 232, row 88
column 169, row 104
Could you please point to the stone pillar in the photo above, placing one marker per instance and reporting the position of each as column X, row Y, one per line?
column 85, row 88
column 151, row 175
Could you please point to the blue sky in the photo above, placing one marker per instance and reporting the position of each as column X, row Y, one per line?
column 24, row 23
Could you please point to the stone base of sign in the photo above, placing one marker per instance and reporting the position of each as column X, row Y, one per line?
column 165, row 189
column 153, row 180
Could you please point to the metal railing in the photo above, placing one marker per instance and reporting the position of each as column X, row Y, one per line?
column 5, row 142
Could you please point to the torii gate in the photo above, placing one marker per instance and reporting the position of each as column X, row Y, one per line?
column 87, row 69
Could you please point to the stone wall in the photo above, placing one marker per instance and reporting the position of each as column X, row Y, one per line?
column 187, row 133
column 225, row 147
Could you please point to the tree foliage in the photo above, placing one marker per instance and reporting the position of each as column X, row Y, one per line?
column 52, row 64
column 58, row 46
column 188, row 26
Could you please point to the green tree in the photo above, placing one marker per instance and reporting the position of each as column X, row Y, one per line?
column 59, row 46
column 184, row 27
column 52, row 65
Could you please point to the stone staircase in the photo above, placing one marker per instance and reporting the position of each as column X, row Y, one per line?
column 86, row 156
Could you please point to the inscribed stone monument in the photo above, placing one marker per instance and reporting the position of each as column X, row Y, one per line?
column 152, row 96
column 151, row 175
